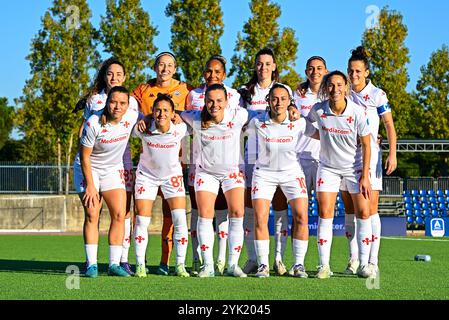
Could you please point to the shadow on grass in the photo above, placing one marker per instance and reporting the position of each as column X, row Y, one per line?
column 52, row 267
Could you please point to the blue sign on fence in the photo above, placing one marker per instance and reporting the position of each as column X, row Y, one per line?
column 437, row 227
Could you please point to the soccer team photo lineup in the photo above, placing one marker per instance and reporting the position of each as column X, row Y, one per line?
column 185, row 176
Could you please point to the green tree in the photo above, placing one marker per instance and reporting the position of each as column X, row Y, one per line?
column 196, row 30
column 62, row 53
column 127, row 33
column 433, row 97
column 388, row 55
column 262, row 30
column 6, row 121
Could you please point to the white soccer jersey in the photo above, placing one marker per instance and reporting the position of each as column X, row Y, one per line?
column 95, row 105
column 217, row 149
column 339, row 133
column 160, row 151
column 109, row 141
column 258, row 103
column 195, row 98
column 276, row 142
column 375, row 104
column 307, row 148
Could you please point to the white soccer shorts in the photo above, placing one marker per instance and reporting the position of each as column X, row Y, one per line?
column 291, row 182
column 332, row 180
column 147, row 187
column 104, row 180
column 205, row 181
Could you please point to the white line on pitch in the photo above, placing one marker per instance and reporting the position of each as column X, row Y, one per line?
column 416, row 239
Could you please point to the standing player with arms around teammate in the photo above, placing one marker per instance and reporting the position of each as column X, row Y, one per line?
column 341, row 123
column 276, row 166
column 159, row 166
column 375, row 104
column 216, row 133
column 254, row 96
column 214, row 73
column 112, row 73
column 165, row 67
column 103, row 144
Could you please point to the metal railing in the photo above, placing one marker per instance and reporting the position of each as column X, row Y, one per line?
column 47, row 179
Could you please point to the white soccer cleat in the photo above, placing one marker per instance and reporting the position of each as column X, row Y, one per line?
column 352, row 267
column 236, row 271
column 279, row 268
column 263, row 271
column 364, row 271
column 298, row 271
column 324, row 272
column 374, row 270
column 207, row 271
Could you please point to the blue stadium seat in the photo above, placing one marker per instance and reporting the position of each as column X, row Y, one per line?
column 315, row 212
column 409, row 220
column 441, row 199
column 432, row 199
column 417, row 213
column 440, row 193
column 419, row 220
column 414, row 192
column 407, row 199
column 444, row 213
column 415, row 199
column 406, row 193
column 422, row 193
column 314, row 205
column 424, row 205
column 340, row 206
column 446, row 192
column 426, row 213
column 442, row 206
column 409, row 206
column 434, row 213
column 423, row 199
column 408, row 212
column 431, row 193
column 416, row 206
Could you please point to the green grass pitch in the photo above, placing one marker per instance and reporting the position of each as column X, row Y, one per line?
column 34, row 267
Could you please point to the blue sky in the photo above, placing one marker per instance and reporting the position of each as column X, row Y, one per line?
column 327, row 28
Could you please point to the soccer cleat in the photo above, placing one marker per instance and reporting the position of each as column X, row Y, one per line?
column 196, row 266
column 219, row 267
column 279, row 268
column 181, row 271
column 298, row 271
column 374, row 270
column 324, row 272
column 207, row 271
column 364, row 271
column 263, row 271
column 236, row 271
column 127, row 267
column 352, row 267
column 116, row 270
column 162, row 270
column 250, row 267
column 92, row 271
column 141, row 271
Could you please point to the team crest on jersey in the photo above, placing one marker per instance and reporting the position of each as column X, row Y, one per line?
column 99, row 102
column 104, row 130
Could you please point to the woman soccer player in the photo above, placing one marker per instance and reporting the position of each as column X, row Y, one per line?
column 341, row 124
column 214, row 73
column 254, row 95
column 159, row 166
column 276, row 166
column 374, row 102
column 103, row 144
column 216, row 134
column 112, row 73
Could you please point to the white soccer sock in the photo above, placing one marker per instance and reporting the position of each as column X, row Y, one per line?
column 364, row 233
column 141, row 237
column 299, row 250
column 236, row 236
column 324, row 235
column 91, row 254
column 206, row 237
column 350, row 232
column 262, row 251
column 375, row 244
column 248, row 225
column 194, row 234
column 115, row 252
column 222, row 228
column 126, row 241
column 180, row 234
column 280, row 233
